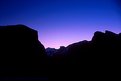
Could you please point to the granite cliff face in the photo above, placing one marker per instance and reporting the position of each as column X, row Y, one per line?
column 20, row 51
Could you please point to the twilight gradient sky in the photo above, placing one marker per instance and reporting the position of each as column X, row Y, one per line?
column 62, row 22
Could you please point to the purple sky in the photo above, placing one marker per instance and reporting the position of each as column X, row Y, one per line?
column 62, row 22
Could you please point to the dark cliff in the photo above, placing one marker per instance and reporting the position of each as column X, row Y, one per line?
column 21, row 53
column 98, row 58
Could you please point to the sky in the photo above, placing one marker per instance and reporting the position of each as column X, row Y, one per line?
column 63, row 22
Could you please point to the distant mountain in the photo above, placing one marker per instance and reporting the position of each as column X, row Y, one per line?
column 97, row 58
column 54, row 52
column 21, row 53
column 100, row 40
column 102, row 45
column 51, row 51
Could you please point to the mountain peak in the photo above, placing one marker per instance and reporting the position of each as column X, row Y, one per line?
column 19, row 27
column 109, row 32
column 98, row 36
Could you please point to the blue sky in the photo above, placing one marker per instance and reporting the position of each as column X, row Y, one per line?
column 62, row 22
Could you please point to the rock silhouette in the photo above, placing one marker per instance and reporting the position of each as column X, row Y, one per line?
column 21, row 53
column 98, row 58
column 51, row 51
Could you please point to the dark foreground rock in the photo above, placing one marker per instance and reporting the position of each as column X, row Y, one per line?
column 21, row 53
